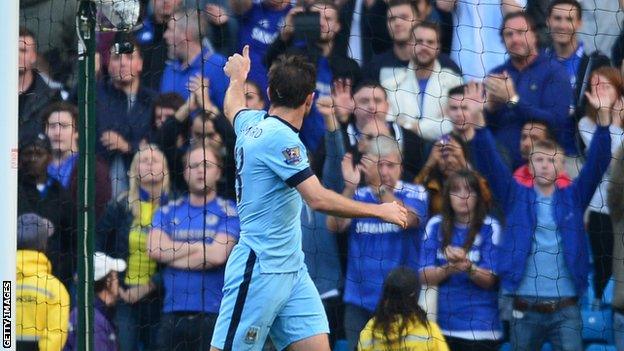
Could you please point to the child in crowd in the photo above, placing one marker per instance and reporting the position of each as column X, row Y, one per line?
column 458, row 256
column 399, row 323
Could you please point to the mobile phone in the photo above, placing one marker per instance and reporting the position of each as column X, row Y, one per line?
column 307, row 26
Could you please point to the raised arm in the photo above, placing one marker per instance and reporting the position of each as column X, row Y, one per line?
column 237, row 68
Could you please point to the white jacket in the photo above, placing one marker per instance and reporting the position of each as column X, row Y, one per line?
column 402, row 88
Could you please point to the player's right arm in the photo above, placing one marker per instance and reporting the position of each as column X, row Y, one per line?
column 327, row 201
column 237, row 68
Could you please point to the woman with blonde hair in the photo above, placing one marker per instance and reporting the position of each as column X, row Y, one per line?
column 123, row 232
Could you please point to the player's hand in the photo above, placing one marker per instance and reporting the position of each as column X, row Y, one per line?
column 350, row 173
column 392, row 212
column 238, row 65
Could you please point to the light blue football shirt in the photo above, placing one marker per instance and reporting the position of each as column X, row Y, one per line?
column 271, row 161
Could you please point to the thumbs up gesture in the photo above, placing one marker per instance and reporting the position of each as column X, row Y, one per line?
column 238, row 66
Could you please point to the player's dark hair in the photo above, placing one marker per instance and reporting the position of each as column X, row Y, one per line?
column 448, row 214
column 517, row 14
column 399, row 304
column 574, row 3
column 291, row 79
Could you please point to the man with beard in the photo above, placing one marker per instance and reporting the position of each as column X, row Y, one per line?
column 528, row 86
column 402, row 16
column 193, row 237
column 418, row 93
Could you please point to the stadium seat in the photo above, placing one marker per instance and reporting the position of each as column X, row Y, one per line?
column 597, row 325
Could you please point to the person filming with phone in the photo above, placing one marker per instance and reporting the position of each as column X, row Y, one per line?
column 311, row 31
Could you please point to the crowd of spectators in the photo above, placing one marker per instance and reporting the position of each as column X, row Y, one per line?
column 499, row 124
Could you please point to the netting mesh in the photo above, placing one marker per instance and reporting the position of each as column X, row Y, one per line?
column 496, row 124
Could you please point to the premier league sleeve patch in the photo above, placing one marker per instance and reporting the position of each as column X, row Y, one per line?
column 292, row 155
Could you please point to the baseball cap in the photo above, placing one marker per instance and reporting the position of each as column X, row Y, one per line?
column 103, row 264
column 33, row 232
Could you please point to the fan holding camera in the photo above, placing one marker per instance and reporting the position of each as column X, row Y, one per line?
column 311, row 31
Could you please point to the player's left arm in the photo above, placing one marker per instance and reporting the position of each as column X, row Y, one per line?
column 237, row 68
column 331, row 203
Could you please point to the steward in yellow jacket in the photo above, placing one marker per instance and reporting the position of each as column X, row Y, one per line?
column 42, row 300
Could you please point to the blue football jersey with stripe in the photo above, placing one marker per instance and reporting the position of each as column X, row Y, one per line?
column 271, row 161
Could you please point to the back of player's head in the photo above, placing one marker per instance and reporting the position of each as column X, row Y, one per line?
column 291, row 79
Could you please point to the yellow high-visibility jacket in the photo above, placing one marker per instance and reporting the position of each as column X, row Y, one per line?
column 42, row 302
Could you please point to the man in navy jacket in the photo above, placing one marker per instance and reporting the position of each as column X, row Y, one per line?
column 544, row 260
column 528, row 86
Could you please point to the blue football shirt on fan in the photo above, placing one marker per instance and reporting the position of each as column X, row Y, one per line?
column 176, row 76
column 376, row 247
column 259, row 27
column 465, row 310
column 195, row 290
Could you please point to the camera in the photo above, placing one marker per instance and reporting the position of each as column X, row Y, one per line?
column 307, row 26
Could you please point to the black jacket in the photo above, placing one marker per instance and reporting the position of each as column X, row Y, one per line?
column 58, row 207
column 31, row 103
